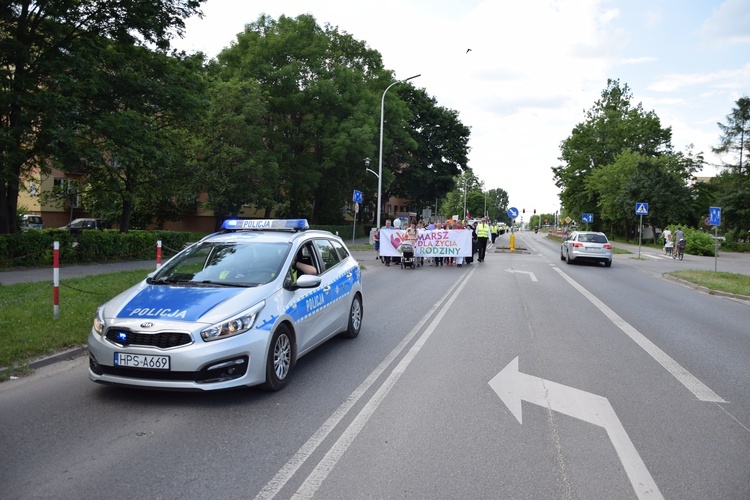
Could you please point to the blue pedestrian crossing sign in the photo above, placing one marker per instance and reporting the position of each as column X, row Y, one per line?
column 714, row 216
column 512, row 212
column 357, row 196
column 641, row 208
column 587, row 218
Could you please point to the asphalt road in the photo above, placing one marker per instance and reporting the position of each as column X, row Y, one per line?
column 522, row 377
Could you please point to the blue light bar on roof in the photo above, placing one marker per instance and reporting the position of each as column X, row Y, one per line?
column 267, row 224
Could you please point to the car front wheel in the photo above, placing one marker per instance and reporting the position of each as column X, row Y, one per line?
column 355, row 318
column 279, row 360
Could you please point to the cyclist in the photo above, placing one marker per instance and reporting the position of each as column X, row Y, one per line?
column 668, row 243
column 679, row 238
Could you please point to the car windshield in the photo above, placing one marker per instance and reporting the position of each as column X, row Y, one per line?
column 225, row 264
column 593, row 238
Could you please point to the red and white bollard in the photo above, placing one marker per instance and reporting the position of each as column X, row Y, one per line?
column 56, row 280
column 158, row 254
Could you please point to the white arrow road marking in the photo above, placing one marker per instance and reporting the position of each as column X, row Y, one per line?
column 513, row 387
column 531, row 275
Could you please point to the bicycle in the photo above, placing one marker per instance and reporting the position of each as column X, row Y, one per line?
column 679, row 250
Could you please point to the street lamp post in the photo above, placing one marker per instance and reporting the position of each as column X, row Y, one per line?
column 368, row 169
column 380, row 160
column 464, row 200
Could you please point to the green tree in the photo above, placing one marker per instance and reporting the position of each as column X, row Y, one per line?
column 468, row 191
column 612, row 125
column 732, row 192
column 497, row 205
column 660, row 181
column 40, row 60
column 735, row 138
column 131, row 143
column 440, row 154
column 732, row 187
column 322, row 89
column 234, row 167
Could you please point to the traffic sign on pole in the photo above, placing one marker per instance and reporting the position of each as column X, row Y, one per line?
column 714, row 218
column 641, row 208
column 512, row 212
column 587, row 218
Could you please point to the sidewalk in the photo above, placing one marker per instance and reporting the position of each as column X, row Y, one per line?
column 730, row 262
column 36, row 274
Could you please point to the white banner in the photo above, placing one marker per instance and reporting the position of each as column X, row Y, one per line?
column 436, row 243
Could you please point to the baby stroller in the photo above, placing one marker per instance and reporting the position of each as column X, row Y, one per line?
column 407, row 255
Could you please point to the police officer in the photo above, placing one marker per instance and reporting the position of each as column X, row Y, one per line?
column 483, row 233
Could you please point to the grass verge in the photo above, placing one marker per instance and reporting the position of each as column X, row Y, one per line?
column 718, row 281
column 27, row 326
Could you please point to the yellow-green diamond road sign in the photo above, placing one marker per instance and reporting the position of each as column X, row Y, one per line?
column 568, row 220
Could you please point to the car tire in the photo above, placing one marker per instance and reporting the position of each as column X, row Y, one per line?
column 607, row 263
column 280, row 360
column 355, row 318
column 562, row 257
column 568, row 259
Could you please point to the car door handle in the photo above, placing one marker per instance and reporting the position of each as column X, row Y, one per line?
column 327, row 288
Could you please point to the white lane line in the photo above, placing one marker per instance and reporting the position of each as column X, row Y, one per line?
column 272, row 488
column 698, row 388
column 326, row 465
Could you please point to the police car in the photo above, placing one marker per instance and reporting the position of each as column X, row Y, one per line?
column 234, row 309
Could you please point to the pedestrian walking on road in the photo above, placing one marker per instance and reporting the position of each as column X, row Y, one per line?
column 376, row 239
column 386, row 259
column 483, row 233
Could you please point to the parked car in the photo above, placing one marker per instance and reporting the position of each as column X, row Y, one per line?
column 79, row 225
column 586, row 246
column 30, row 221
column 233, row 309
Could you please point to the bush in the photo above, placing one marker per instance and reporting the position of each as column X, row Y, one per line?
column 698, row 242
column 35, row 248
column 733, row 242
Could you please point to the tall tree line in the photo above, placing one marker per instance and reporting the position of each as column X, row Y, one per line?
column 54, row 61
column 282, row 119
column 621, row 155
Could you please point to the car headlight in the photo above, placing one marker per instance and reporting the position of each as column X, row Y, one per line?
column 99, row 323
column 233, row 326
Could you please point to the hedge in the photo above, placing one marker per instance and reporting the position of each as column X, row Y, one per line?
column 34, row 248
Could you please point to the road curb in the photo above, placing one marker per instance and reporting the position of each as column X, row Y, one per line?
column 706, row 289
column 65, row 355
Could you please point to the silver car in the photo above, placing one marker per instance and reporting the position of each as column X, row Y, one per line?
column 586, row 246
column 234, row 309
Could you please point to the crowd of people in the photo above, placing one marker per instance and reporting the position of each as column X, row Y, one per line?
column 482, row 232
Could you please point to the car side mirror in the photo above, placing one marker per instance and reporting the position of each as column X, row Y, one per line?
column 306, row 281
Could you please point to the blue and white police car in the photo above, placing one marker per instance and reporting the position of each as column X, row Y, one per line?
column 237, row 308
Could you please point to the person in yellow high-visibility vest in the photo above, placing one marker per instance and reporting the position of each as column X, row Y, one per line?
column 493, row 232
column 483, row 233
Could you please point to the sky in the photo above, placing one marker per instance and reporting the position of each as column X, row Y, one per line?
column 535, row 67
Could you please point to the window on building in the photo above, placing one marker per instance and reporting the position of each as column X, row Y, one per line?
column 68, row 188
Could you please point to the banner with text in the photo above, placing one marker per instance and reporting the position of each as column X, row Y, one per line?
column 436, row 243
